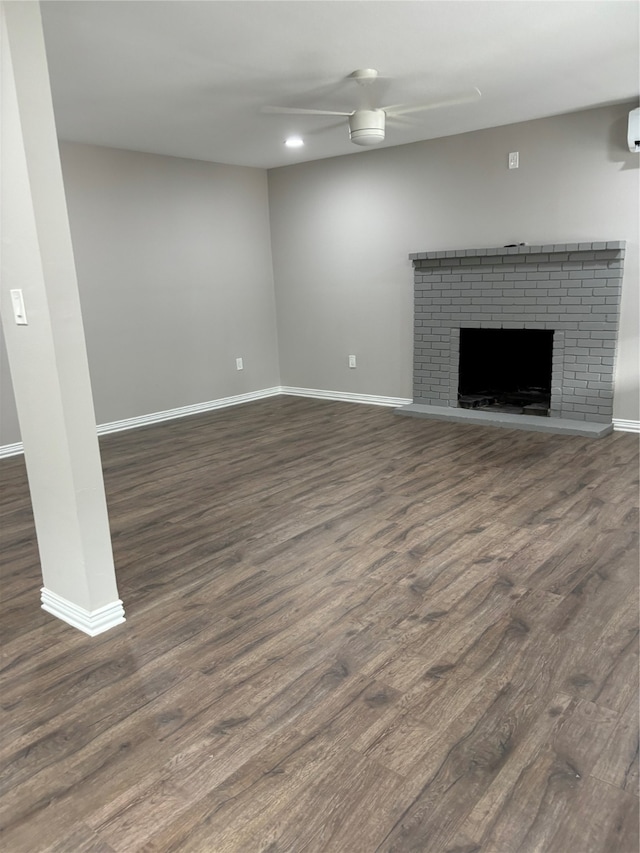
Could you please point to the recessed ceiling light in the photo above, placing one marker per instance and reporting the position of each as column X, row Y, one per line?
column 293, row 142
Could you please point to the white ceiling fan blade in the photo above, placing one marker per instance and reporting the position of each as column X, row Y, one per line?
column 405, row 109
column 302, row 112
column 325, row 127
column 400, row 121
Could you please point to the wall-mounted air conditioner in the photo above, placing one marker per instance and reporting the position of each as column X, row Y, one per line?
column 633, row 135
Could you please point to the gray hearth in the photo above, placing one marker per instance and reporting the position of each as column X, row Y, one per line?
column 572, row 290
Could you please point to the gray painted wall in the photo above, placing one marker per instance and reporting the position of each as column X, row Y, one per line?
column 342, row 230
column 9, row 428
column 175, row 264
column 175, row 276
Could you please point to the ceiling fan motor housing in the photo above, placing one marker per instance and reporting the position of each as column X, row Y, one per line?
column 366, row 127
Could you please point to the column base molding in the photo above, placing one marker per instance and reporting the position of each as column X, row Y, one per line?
column 92, row 622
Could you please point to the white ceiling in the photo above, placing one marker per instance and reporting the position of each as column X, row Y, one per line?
column 190, row 78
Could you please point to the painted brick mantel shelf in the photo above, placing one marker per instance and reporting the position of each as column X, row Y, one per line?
column 572, row 289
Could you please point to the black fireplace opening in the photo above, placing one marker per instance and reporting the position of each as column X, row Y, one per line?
column 506, row 370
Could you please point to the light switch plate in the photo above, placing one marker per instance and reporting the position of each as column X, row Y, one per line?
column 17, row 303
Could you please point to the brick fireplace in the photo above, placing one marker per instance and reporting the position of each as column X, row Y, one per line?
column 571, row 290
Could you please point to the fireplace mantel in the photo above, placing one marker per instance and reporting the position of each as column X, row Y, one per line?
column 572, row 289
column 521, row 249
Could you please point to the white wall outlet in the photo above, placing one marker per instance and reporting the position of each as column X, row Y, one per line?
column 17, row 303
column 239, row 364
column 352, row 361
column 514, row 159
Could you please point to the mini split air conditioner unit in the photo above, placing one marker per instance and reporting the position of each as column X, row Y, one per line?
column 633, row 134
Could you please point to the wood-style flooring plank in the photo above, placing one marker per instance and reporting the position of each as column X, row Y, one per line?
column 618, row 762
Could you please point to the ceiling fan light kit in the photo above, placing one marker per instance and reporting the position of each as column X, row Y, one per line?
column 366, row 127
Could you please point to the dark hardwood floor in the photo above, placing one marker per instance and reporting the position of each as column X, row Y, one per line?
column 347, row 632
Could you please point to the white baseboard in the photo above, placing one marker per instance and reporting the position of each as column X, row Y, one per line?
column 10, row 449
column 185, row 411
column 223, row 403
column 345, row 397
column 92, row 622
column 621, row 425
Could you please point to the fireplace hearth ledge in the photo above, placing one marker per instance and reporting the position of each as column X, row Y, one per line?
column 558, row 426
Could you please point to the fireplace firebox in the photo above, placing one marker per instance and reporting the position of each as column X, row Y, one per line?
column 506, row 370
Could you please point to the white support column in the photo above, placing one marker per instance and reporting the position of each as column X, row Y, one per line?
column 47, row 356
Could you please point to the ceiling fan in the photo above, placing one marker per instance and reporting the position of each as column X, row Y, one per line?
column 367, row 124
